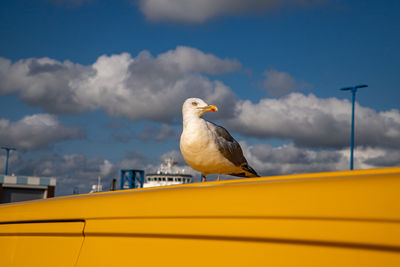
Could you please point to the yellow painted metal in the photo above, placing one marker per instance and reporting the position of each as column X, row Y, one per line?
column 349, row 218
column 40, row 244
column 241, row 242
column 143, row 251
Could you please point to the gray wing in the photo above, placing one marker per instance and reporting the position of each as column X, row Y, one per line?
column 227, row 145
column 231, row 149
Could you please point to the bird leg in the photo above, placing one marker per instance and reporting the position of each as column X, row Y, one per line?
column 218, row 177
column 204, row 178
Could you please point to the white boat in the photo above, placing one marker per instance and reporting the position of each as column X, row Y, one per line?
column 167, row 174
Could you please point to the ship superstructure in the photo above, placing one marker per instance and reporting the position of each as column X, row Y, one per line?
column 167, row 174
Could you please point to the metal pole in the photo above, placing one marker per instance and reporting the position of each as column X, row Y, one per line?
column 354, row 90
column 113, row 184
column 7, row 155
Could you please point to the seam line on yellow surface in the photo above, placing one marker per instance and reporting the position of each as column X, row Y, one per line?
column 347, row 245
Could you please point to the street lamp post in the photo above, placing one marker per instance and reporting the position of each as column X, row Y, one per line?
column 353, row 90
column 7, row 155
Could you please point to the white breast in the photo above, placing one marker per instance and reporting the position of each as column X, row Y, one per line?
column 199, row 150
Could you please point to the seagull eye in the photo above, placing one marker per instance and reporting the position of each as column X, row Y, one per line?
column 194, row 103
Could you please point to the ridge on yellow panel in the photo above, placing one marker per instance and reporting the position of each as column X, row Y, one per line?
column 349, row 218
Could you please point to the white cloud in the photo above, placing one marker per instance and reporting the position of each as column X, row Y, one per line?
column 315, row 122
column 161, row 133
column 105, row 168
column 72, row 170
column 134, row 160
column 36, row 131
column 14, row 158
column 44, row 82
column 144, row 87
column 188, row 59
column 377, row 157
column 173, row 155
column 290, row 159
column 157, row 133
column 279, row 83
column 199, row 11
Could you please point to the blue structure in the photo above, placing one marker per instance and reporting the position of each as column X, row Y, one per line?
column 8, row 153
column 353, row 90
column 135, row 178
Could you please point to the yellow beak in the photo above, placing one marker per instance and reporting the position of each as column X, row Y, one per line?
column 210, row 108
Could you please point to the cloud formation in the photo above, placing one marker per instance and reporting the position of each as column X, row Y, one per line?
column 315, row 122
column 383, row 158
column 157, row 133
column 143, row 87
column 36, row 131
column 199, row 11
column 153, row 88
column 290, row 159
column 44, row 82
column 13, row 161
column 72, row 170
column 279, row 83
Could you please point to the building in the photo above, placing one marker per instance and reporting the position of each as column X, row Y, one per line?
column 22, row 188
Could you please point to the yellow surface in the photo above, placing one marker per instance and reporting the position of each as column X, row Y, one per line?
column 347, row 218
column 122, row 251
column 40, row 244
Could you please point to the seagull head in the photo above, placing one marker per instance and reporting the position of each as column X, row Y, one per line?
column 197, row 107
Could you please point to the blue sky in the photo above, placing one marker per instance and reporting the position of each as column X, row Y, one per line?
column 90, row 87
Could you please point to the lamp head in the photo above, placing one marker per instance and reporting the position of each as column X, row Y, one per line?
column 353, row 88
column 8, row 148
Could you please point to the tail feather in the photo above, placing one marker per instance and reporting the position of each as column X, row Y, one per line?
column 248, row 172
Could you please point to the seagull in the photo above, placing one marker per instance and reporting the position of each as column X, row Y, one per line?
column 209, row 148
